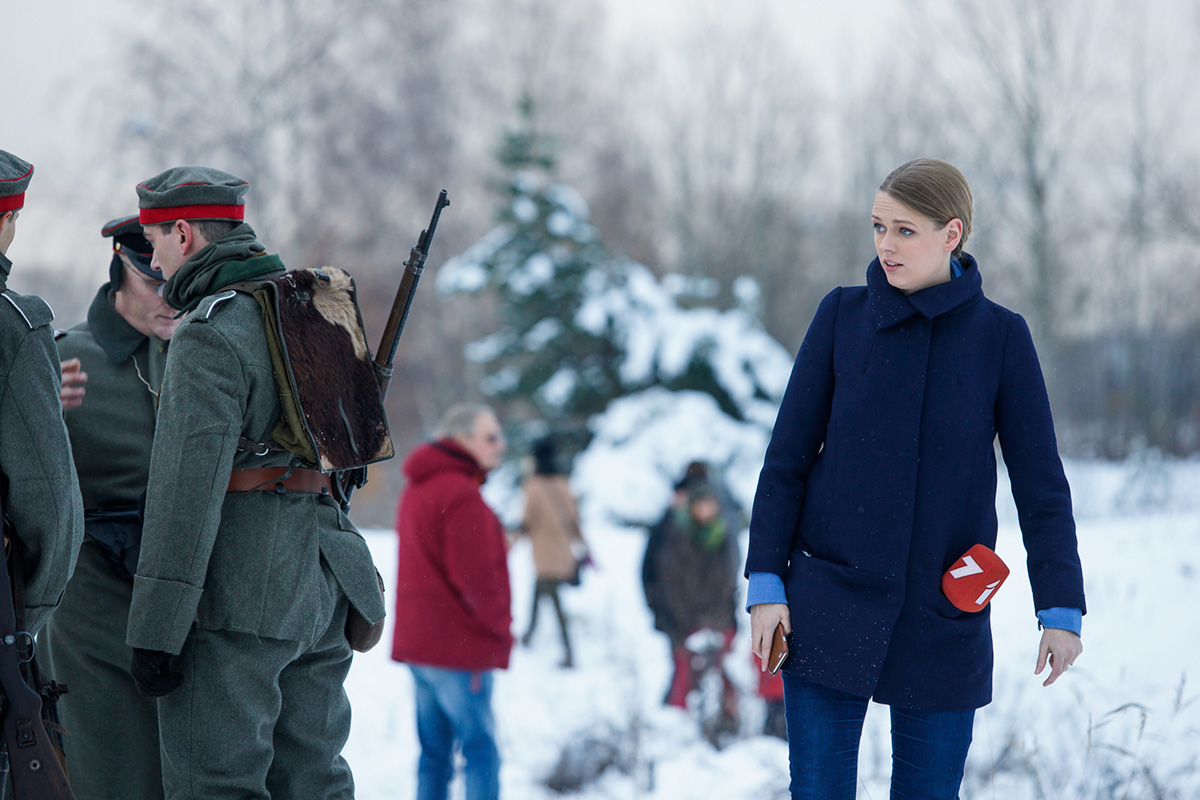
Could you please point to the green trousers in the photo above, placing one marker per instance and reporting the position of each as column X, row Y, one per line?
column 258, row 717
column 112, row 731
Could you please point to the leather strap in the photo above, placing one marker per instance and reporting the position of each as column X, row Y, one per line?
column 277, row 479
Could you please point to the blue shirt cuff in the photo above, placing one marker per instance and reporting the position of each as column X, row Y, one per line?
column 765, row 587
column 1065, row 619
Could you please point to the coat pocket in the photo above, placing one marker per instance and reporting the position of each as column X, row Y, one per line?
column 842, row 620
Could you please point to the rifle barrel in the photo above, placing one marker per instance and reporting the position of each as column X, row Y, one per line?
column 390, row 341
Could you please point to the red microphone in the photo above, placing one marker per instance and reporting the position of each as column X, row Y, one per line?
column 973, row 580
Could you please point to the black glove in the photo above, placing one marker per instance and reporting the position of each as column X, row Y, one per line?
column 152, row 673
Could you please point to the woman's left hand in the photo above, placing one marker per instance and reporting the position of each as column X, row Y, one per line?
column 1060, row 648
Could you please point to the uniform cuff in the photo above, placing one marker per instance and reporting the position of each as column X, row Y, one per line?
column 161, row 614
column 1064, row 619
column 765, row 587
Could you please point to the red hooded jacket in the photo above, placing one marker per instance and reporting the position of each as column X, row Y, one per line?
column 452, row 590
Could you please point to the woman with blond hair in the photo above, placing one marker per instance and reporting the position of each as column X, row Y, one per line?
column 880, row 476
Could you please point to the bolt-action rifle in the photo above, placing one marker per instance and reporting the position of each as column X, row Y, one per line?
column 385, row 355
column 36, row 771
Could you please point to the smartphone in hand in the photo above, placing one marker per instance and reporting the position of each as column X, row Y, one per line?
column 779, row 650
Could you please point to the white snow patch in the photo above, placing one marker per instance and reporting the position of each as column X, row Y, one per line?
column 1125, row 713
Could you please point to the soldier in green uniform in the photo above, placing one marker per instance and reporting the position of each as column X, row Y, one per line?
column 41, row 492
column 248, row 568
column 122, row 351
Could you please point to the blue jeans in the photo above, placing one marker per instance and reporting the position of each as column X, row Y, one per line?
column 824, row 726
column 455, row 708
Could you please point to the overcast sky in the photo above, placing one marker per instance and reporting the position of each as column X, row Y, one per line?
column 53, row 42
column 46, row 43
column 54, row 48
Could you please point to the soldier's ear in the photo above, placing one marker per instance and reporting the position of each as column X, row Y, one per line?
column 185, row 234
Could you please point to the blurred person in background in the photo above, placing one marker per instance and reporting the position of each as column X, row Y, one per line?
column 698, row 472
column 880, row 475
column 689, row 574
column 113, row 366
column 453, row 616
column 770, row 689
column 551, row 521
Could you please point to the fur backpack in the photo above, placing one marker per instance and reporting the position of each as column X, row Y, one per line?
column 333, row 413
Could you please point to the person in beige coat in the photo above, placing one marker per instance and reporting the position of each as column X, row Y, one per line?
column 551, row 522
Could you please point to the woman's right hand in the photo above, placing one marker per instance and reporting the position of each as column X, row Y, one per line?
column 764, row 617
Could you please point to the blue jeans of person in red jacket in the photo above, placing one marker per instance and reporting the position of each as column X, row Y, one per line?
column 454, row 709
column 824, row 726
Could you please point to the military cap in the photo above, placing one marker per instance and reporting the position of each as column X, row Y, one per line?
column 14, row 177
column 128, row 240
column 191, row 193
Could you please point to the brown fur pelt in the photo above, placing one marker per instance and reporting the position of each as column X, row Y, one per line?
column 331, row 367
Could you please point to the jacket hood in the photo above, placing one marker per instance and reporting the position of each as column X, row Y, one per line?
column 890, row 306
column 434, row 458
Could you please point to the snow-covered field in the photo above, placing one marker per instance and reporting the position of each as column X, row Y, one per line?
column 1123, row 722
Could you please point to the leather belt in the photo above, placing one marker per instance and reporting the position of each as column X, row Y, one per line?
column 271, row 479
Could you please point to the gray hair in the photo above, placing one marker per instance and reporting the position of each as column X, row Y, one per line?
column 459, row 419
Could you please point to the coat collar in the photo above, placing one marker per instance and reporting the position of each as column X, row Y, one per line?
column 890, row 306
column 110, row 330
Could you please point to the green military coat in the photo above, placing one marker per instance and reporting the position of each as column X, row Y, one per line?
column 248, row 562
column 113, row 750
column 42, row 496
column 112, row 432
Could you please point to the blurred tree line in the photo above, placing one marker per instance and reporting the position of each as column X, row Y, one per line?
column 711, row 150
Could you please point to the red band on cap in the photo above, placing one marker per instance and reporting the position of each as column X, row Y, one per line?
column 12, row 202
column 152, row 216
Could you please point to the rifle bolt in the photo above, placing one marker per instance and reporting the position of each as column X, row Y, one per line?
column 10, row 639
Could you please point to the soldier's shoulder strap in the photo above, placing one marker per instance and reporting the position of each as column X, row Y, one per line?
column 33, row 310
column 210, row 305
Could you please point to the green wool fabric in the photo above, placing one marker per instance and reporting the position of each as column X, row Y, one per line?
column 113, row 430
column 35, row 454
column 15, row 174
column 249, row 561
column 180, row 187
column 84, row 642
column 283, row 734
column 250, row 590
column 236, row 256
column 113, row 747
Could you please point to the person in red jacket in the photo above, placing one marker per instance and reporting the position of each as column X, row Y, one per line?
column 453, row 615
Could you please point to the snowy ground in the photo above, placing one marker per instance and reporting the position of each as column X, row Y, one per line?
column 1123, row 722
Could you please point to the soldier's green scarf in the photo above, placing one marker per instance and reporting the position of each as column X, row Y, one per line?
column 236, row 256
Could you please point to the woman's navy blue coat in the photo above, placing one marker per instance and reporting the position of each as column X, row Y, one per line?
column 881, row 473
